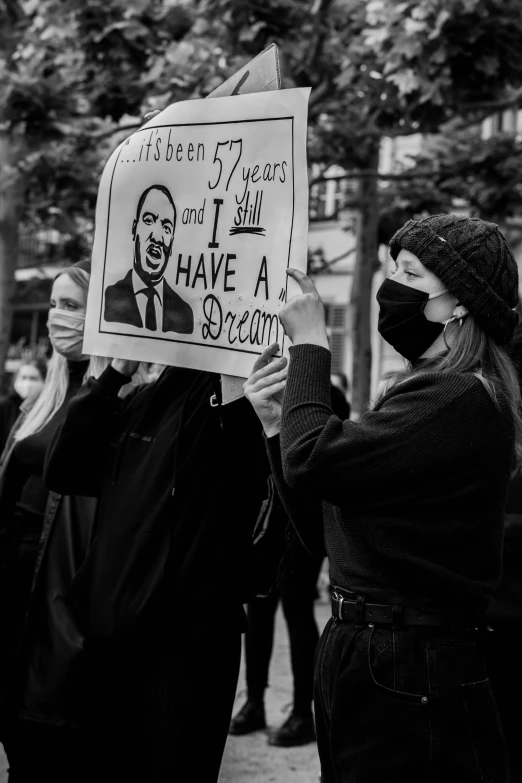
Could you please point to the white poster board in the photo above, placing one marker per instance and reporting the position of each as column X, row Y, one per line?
column 199, row 214
column 260, row 74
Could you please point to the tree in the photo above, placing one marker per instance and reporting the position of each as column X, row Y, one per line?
column 69, row 71
column 409, row 67
column 73, row 72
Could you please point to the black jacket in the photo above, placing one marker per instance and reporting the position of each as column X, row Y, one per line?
column 40, row 656
column 121, row 306
column 9, row 412
column 179, row 484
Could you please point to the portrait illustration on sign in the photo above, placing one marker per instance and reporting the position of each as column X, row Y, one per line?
column 143, row 298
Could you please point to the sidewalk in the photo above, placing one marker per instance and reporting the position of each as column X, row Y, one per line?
column 250, row 759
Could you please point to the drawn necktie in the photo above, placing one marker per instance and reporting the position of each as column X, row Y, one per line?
column 150, row 311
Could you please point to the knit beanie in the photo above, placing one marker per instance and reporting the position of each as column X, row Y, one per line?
column 474, row 261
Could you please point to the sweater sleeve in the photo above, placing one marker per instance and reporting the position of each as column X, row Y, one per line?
column 76, row 456
column 305, row 512
column 415, row 429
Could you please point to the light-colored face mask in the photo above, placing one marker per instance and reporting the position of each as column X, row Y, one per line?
column 28, row 386
column 66, row 333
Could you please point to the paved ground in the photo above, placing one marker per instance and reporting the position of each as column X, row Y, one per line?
column 250, row 759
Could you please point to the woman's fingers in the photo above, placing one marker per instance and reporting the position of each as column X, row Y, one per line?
column 272, row 391
column 268, row 394
column 265, row 357
column 305, row 283
column 268, row 381
column 267, row 372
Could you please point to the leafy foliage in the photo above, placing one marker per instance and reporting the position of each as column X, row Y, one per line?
column 72, row 70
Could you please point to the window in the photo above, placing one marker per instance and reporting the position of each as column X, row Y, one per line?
column 329, row 196
column 336, row 326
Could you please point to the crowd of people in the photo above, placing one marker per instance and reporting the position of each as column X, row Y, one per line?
column 128, row 498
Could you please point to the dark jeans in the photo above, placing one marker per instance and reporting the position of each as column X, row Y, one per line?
column 502, row 652
column 297, row 593
column 412, row 705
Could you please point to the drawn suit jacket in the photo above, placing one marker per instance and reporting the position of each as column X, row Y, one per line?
column 121, row 307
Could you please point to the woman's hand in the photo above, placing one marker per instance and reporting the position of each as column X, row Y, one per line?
column 125, row 366
column 303, row 315
column 265, row 389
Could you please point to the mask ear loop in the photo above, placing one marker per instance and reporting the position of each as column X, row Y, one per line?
column 446, row 323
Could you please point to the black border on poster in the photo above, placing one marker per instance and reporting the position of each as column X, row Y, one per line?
column 173, row 339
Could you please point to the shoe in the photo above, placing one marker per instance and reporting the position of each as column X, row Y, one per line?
column 251, row 717
column 298, row 729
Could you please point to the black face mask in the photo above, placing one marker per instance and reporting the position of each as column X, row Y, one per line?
column 402, row 322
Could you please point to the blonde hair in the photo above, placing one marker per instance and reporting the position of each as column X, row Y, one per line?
column 56, row 384
column 472, row 351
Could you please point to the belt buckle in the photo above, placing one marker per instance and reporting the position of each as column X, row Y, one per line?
column 340, row 599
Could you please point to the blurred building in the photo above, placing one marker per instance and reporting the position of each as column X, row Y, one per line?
column 332, row 256
column 40, row 253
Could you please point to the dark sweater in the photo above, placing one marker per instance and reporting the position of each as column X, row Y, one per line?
column 414, row 492
column 179, row 485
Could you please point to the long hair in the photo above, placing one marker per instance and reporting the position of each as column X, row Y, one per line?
column 54, row 391
column 56, row 385
column 473, row 351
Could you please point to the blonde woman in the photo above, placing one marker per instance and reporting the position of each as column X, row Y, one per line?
column 43, row 537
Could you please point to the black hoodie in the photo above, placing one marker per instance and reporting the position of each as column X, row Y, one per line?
column 179, row 484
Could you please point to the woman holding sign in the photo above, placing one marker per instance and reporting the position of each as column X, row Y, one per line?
column 414, row 497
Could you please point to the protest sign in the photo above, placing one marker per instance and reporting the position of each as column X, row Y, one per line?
column 199, row 214
column 260, row 74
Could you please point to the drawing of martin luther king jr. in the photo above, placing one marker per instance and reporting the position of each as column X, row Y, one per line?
column 143, row 297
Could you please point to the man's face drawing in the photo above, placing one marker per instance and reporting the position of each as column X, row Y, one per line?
column 153, row 232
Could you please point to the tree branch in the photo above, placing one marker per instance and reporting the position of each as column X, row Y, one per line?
column 121, row 129
column 493, row 106
column 401, row 176
column 348, row 253
column 316, row 50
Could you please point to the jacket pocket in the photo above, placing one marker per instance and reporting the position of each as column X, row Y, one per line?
column 485, row 731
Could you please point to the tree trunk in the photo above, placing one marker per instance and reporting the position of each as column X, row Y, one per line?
column 10, row 203
column 366, row 264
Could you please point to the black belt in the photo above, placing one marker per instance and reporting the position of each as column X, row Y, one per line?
column 362, row 613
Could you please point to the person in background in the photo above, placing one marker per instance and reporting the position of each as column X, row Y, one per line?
column 27, row 519
column 27, row 384
column 43, row 540
column 414, row 496
column 297, row 594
